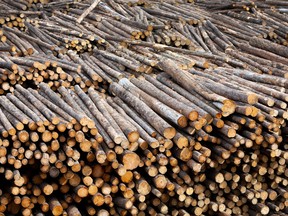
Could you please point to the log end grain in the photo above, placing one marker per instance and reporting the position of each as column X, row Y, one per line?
column 186, row 154
column 133, row 136
column 228, row 107
column 252, row 98
column 182, row 122
column 169, row 132
column 131, row 160
column 193, row 115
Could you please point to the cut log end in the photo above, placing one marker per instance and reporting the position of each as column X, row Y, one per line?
column 229, row 107
column 131, row 161
column 218, row 115
column 57, row 210
column 32, row 126
column 225, row 155
column 98, row 199
column 193, row 116
column 186, row 154
column 197, row 125
column 265, row 210
column 285, row 115
column 169, row 133
column 82, row 192
column 55, row 120
column 182, row 121
column 252, row 99
column 219, row 123
column 160, row 181
column 128, row 205
column 118, row 139
column 12, row 131
column 182, row 142
column 133, row 136
column 84, row 121
column 19, row 126
column 231, row 133
column 270, row 102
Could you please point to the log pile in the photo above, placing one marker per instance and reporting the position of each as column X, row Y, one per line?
column 138, row 107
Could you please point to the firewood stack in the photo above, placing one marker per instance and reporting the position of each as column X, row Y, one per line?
column 142, row 107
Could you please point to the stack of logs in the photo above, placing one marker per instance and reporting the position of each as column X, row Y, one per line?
column 143, row 108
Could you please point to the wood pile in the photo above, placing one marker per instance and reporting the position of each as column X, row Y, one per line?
column 141, row 107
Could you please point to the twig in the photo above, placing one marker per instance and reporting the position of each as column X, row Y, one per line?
column 87, row 11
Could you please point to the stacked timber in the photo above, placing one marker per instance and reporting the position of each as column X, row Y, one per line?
column 136, row 107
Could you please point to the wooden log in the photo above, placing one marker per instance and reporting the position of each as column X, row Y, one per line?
column 80, row 118
column 158, row 123
column 87, row 11
column 159, row 107
column 88, row 102
column 55, row 207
